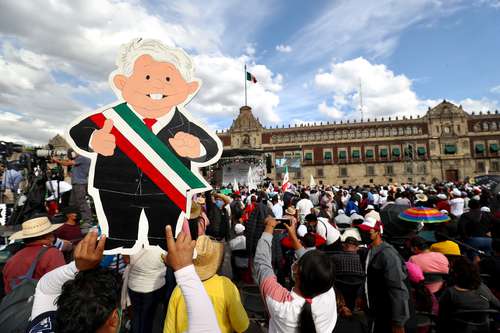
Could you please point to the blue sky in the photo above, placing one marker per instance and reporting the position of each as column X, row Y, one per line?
column 308, row 56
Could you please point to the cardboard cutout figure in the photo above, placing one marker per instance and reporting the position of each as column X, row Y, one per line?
column 145, row 148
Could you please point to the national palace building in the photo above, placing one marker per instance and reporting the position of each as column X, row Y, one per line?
column 446, row 143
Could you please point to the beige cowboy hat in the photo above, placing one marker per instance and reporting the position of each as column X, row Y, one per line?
column 35, row 227
column 209, row 257
column 421, row 197
column 195, row 210
column 291, row 210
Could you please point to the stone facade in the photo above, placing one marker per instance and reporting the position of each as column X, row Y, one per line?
column 445, row 143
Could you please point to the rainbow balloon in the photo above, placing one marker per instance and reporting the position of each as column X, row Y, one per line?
column 424, row 215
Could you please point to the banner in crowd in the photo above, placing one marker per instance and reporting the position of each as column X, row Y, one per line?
column 146, row 150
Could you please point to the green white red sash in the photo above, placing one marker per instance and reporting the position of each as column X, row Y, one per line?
column 150, row 154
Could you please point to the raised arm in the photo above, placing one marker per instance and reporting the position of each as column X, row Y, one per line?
column 201, row 315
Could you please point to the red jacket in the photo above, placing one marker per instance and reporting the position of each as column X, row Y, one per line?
column 287, row 241
column 19, row 264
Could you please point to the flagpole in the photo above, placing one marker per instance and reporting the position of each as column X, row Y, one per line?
column 245, row 84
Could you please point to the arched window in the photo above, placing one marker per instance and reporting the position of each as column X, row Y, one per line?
column 408, row 131
column 387, row 131
column 415, row 130
column 493, row 126
column 477, row 127
column 485, row 126
column 394, row 131
column 380, row 131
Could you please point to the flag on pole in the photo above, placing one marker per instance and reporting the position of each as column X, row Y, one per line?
column 312, row 183
column 286, row 182
column 251, row 77
column 250, row 183
column 235, row 186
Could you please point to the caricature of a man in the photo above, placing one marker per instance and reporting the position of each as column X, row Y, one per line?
column 145, row 145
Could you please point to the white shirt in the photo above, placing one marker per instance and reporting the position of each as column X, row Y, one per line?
column 147, row 270
column 457, row 206
column 327, row 231
column 278, row 210
column 373, row 214
column 304, row 206
column 376, row 198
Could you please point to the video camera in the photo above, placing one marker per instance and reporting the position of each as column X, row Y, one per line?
column 7, row 149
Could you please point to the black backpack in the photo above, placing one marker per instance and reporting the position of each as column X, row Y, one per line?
column 15, row 308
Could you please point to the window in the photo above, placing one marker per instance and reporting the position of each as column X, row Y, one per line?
column 327, row 155
column 409, row 168
column 343, row 172
column 396, row 152
column 355, row 154
column 495, row 166
column 479, row 148
column 383, row 152
column 308, row 156
column 450, row 149
column 421, row 151
column 342, row 154
column 369, row 153
column 319, row 172
column 480, row 166
column 421, row 168
column 494, row 148
column 408, row 152
column 370, row 170
column 389, row 170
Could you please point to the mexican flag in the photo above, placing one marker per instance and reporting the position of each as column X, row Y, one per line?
column 151, row 155
column 251, row 77
column 286, row 182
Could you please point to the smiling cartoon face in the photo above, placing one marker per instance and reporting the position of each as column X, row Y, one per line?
column 154, row 87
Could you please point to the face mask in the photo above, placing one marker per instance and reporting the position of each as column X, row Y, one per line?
column 365, row 238
column 219, row 203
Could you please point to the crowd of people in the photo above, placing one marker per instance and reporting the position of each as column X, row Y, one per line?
column 324, row 258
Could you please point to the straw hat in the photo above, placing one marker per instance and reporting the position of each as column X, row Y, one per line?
column 35, row 227
column 195, row 210
column 209, row 257
column 223, row 197
column 291, row 210
column 421, row 197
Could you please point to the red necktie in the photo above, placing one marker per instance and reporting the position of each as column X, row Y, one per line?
column 150, row 122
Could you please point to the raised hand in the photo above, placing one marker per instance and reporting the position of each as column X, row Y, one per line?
column 88, row 253
column 103, row 142
column 180, row 251
column 186, row 145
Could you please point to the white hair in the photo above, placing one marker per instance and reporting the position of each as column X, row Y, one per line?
column 158, row 51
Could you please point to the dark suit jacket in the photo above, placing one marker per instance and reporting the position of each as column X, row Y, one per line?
column 120, row 174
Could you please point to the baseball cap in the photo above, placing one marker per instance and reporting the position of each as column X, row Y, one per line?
column 371, row 224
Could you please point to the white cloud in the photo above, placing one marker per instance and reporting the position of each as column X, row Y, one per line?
column 495, row 90
column 384, row 93
column 222, row 92
column 56, row 67
column 283, row 48
column 330, row 111
column 483, row 104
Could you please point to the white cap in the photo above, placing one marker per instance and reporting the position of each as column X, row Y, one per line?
column 444, row 211
column 486, row 209
column 370, row 207
column 442, row 196
column 340, row 211
column 239, row 228
column 301, row 230
column 351, row 232
column 353, row 211
column 456, row 192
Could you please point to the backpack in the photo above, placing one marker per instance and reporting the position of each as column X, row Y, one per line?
column 15, row 308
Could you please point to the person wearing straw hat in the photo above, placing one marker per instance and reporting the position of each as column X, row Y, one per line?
column 225, row 296
column 37, row 234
